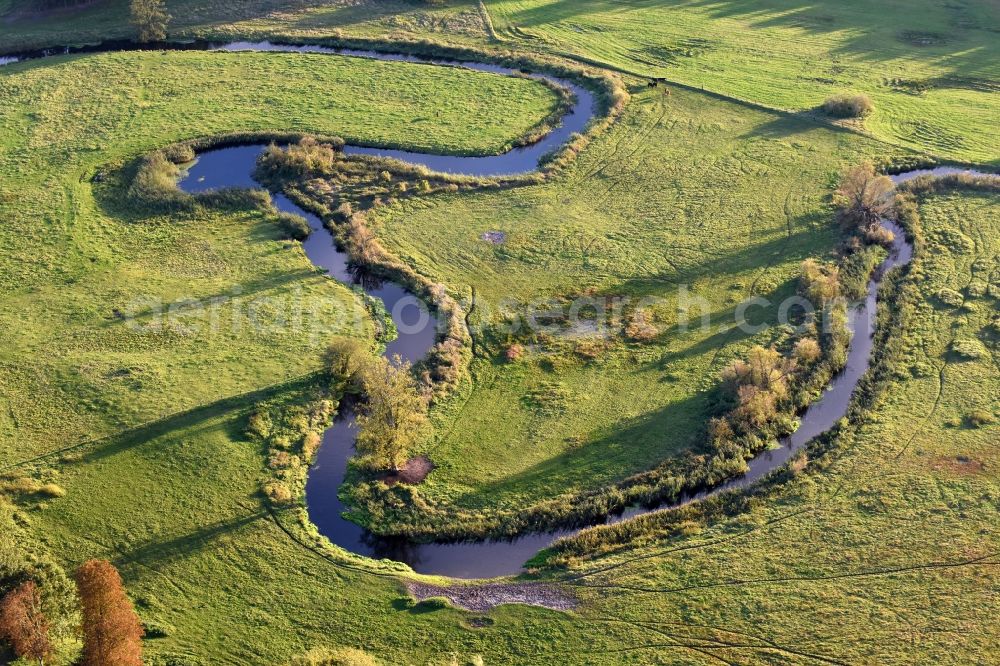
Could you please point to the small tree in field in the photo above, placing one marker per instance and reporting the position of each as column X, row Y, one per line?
column 23, row 623
column 393, row 417
column 112, row 633
column 865, row 197
column 150, row 19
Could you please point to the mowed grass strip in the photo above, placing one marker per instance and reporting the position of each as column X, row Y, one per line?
column 932, row 69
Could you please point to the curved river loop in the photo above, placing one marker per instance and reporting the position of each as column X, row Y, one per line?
column 233, row 166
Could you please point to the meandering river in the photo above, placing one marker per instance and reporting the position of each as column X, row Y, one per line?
column 232, row 167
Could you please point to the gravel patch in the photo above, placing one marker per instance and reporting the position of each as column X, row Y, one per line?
column 495, row 237
column 486, row 597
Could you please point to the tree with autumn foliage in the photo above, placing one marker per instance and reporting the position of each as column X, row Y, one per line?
column 765, row 369
column 23, row 623
column 112, row 633
column 759, row 384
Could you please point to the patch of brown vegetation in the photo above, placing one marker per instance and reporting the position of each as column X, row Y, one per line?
column 958, row 465
column 414, row 471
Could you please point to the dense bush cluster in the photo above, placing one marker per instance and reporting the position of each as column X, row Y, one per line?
column 290, row 433
column 929, row 184
column 308, row 157
column 154, row 186
column 846, row 105
column 295, row 227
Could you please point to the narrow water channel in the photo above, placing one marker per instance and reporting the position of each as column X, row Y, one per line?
column 232, row 167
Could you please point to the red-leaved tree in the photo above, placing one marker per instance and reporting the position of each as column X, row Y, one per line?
column 23, row 623
column 112, row 633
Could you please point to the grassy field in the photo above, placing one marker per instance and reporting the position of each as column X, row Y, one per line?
column 884, row 550
column 172, row 486
column 894, row 541
column 23, row 27
column 73, row 256
column 931, row 68
column 714, row 198
column 889, row 553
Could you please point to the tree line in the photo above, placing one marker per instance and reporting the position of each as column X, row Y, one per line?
column 110, row 628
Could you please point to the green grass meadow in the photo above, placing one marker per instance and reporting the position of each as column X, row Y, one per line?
column 709, row 197
column 73, row 254
column 888, row 553
column 166, row 483
column 23, row 27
